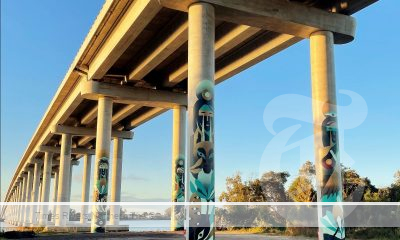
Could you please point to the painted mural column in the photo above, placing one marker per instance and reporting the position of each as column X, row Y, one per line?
column 329, row 182
column 62, row 212
column 116, row 180
column 178, row 167
column 87, row 165
column 200, row 182
column 28, row 196
column 55, row 194
column 101, row 166
column 45, row 194
column 21, row 207
column 35, row 191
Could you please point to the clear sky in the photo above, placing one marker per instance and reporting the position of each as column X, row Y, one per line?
column 39, row 40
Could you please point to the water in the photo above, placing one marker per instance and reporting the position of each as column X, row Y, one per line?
column 147, row 225
column 4, row 227
column 134, row 225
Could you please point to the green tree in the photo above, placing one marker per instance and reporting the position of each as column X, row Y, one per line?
column 273, row 185
column 302, row 189
column 397, row 178
column 355, row 187
column 236, row 190
column 395, row 188
column 307, row 170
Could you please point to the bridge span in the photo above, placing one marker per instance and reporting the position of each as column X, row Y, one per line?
column 142, row 58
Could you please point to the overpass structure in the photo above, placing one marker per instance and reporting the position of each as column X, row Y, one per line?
column 142, row 58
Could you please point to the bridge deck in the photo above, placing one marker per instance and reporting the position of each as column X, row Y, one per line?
column 142, row 44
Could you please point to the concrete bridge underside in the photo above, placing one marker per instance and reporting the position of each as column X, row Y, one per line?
column 142, row 58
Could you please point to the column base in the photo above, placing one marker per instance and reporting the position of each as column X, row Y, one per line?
column 26, row 224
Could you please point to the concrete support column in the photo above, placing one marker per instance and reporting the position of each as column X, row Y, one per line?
column 62, row 213
column 10, row 217
column 28, row 196
column 178, row 167
column 40, row 190
column 70, row 182
column 327, row 163
column 100, row 180
column 16, row 196
column 21, row 199
column 16, row 202
column 55, row 194
column 6, row 212
column 87, row 163
column 116, row 181
column 15, row 207
column 200, row 167
column 45, row 194
column 10, row 209
column 35, row 192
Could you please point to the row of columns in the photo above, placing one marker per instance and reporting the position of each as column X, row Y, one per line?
column 200, row 133
column 197, row 169
column 30, row 188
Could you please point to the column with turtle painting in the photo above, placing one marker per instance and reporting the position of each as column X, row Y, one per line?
column 101, row 167
column 200, row 170
column 178, row 167
column 329, row 181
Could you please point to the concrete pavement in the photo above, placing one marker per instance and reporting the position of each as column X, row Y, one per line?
column 161, row 235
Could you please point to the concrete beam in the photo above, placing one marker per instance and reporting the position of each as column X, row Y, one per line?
column 278, row 16
column 35, row 160
column 255, row 55
column 165, row 49
column 90, row 116
column 58, row 150
column 118, row 116
column 56, row 164
column 223, row 45
column 82, row 131
column 123, row 113
column 146, row 116
column 131, row 95
column 132, row 23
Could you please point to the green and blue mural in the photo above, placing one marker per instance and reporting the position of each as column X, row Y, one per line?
column 100, row 194
column 201, row 175
column 332, row 223
column 178, row 194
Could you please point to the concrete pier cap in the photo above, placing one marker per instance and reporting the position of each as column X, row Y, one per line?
column 83, row 131
column 94, row 90
column 278, row 16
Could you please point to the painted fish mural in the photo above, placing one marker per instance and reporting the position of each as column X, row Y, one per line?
column 101, row 191
column 179, row 192
column 331, row 190
column 201, row 179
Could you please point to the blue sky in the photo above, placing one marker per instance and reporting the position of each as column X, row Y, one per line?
column 39, row 42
